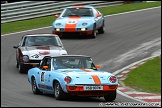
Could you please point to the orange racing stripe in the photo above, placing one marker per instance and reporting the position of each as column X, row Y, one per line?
column 95, row 77
column 81, row 6
column 71, row 23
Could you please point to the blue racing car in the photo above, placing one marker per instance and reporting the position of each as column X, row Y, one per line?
column 74, row 75
column 79, row 20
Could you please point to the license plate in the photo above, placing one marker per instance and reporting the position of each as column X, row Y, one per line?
column 93, row 87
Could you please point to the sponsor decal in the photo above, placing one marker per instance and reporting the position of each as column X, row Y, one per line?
column 36, row 55
column 45, row 87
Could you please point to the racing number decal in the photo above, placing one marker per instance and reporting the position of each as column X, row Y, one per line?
column 42, row 76
column 36, row 55
column 71, row 22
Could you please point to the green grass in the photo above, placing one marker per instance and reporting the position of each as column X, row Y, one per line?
column 128, row 7
column 47, row 21
column 146, row 78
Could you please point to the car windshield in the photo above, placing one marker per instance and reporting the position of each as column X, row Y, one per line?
column 77, row 12
column 41, row 41
column 73, row 62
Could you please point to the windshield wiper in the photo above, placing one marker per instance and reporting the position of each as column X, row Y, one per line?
column 55, row 45
column 73, row 15
column 86, row 15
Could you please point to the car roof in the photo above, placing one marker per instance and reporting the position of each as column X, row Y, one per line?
column 68, row 56
column 41, row 34
column 81, row 6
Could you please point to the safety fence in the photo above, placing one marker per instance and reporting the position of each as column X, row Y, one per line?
column 32, row 9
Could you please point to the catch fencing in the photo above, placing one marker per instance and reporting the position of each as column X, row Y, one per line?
column 23, row 10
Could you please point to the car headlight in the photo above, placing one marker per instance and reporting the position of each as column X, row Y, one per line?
column 83, row 29
column 113, row 79
column 57, row 29
column 58, row 24
column 67, row 79
column 25, row 58
column 84, row 24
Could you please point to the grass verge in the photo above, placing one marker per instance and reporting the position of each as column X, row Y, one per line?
column 146, row 78
column 47, row 21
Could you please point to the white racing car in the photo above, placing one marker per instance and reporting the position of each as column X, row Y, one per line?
column 33, row 47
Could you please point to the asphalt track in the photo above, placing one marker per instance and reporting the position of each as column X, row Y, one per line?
column 128, row 38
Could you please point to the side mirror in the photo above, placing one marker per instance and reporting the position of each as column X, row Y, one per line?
column 15, row 47
column 45, row 67
column 98, row 15
column 97, row 66
column 57, row 15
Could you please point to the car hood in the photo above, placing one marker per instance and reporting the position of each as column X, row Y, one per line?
column 38, row 52
column 88, row 76
column 77, row 20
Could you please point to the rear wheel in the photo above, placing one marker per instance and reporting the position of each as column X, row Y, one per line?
column 102, row 29
column 58, row 92
column 111, row 96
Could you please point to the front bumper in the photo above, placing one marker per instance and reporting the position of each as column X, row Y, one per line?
column 73, row 33
column 79, row 90
column 30, row 64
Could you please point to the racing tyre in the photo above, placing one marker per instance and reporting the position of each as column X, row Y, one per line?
column 17, row 65
column 102, row 29
column 34, row 87
column 20, row 67
column 61, row 36
column 111, row 96
column 94, row 33
column 58, row 92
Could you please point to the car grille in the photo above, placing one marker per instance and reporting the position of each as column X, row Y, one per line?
column 35, row 61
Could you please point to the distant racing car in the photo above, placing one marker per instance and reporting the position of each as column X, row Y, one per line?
column 79, row 20
column 74, row 75
column 33, row 47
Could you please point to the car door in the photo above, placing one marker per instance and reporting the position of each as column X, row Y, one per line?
column 43, row 81
column 97, row 19
column 101, row 19
column 48, row 76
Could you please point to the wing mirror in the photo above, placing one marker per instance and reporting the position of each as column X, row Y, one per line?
column 15, row 47
column 98, row 15
column 97, row 66
column 45, row 67
column 57, row 15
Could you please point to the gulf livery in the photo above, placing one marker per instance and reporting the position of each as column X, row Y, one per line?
column 74, row 75
column 79, row 20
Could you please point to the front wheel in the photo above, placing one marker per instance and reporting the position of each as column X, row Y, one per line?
column 94, row 33
column 111, row 96
column 58, row 92
column 20, row 68
column 34, row 87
